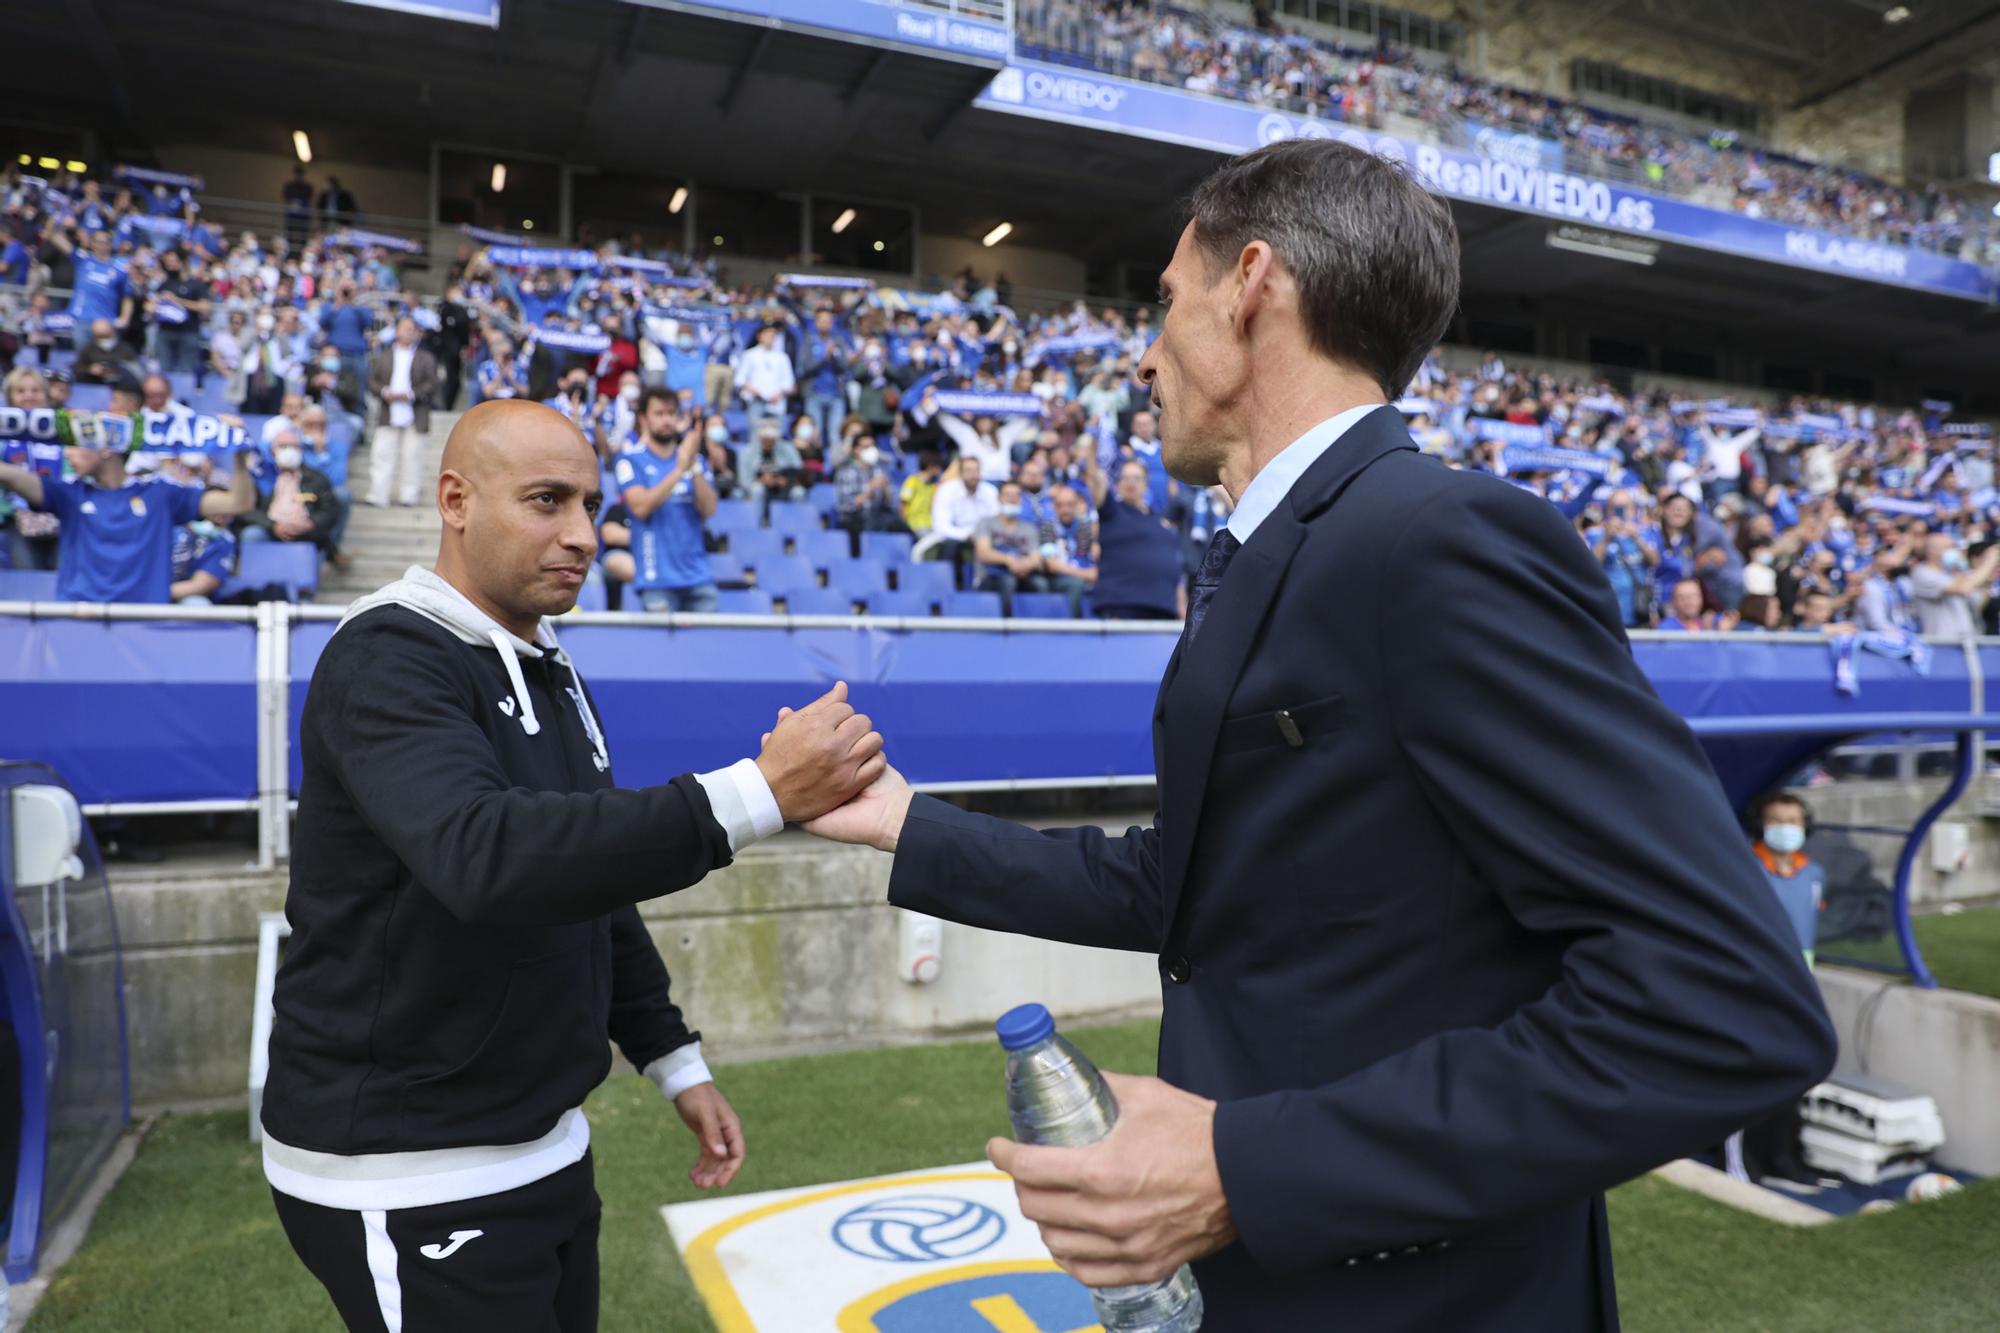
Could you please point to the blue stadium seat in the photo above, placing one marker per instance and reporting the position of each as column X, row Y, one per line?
column 793, row 517
column 738, row 422
column 743, row 602
column 727, row 570
column 818, row 602
column 973, row 605
column 825, row 499
column 899, row 604
column 891, row 548
column 1041, row 606
column 858, row 578
column 180, row 384
column 213, row 397
column 27, row 585
column 933, row 578
column 294, row 564
column 733, row 516
column 89, row 397
column 780, row 574
column 824, row 548
column 754, row 545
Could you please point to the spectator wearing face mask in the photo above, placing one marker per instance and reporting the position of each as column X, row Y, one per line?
column 227, row 347
column 204, row 556
column 334, row 382
column 866, row 492
column 721, row 458
column 267, row 367
column 1139, row 547
column 1006, row 550
column 107, row 359
column 1947, row 591
column 688, row 366
column 301, row 506
column 503, row 371
column 764, row 377
column 878, row 387
column 1884, row 604
column 401, row 377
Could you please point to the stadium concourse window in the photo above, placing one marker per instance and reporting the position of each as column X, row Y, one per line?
column 873, row 237
column 494, row 190
column 752, row 223
column 611, row 205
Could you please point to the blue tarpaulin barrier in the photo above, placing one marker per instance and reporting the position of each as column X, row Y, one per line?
column 153, row 711
column 143, row 711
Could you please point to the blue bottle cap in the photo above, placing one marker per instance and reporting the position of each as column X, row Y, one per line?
column 1023, row 1026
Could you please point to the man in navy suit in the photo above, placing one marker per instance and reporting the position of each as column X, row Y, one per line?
column 1453, row 920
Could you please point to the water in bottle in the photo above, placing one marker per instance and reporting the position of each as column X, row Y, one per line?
column 1056, row 1096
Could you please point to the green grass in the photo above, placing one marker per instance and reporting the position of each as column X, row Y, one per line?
column 1961, row 950
column 188, row 1242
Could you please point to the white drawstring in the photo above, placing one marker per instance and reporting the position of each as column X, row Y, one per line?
column 589, row 718
column 504, row 645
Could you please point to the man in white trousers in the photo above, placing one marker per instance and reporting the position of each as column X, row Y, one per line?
column 401, row 379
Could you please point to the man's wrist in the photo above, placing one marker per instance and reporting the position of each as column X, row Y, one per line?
column 890, row 834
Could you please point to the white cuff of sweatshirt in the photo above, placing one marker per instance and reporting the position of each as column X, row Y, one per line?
column 678, row 1070
column 742, row 802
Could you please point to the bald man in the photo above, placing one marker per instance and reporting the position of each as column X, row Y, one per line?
column 464, row 928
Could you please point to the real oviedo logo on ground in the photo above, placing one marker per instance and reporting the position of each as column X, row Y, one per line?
column 917, row 1229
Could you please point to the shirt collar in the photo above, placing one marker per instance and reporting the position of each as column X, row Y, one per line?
column 1269, row 487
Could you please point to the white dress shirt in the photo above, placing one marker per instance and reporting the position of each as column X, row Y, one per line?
column 1269, row 488
column 402, row 410
column 766, row 372
column 955, row 512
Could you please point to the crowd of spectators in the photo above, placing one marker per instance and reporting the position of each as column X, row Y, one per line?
column 1202, row 51
column 832, row 444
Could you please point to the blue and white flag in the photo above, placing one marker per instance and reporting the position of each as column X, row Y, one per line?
column 1977, row 430
column 162, row 230
column 524, row 256
column 59, row 322
column 1599, row 402
column 1937, row 405
column 1819, row 421
column 150, row 176
column 1524, row 458
column 1071, row 344
column 169, row 313
column 161, row 432
column 1513, row 434
column 573, row 340
column 822, row 280
column 966, row 403
column 685, row 281
column 1416, row 407
column 1889, row 504
column 491, row 237
column 710, row 316
column 353, row 238
column 637, row 264
column 1732, row 418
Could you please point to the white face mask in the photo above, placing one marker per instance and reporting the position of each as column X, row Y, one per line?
column 288, row 456
column 629, row 394
column 266, row 325
column 1784, row 838
column 107, row 343
column 869, row 456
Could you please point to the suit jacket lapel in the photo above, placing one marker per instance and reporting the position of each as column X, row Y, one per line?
column 1201, row 678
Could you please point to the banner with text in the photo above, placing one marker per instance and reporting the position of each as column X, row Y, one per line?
column 1094, row 101
column 952, row 36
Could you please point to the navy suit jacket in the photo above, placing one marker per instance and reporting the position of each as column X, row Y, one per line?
column 1453, row 919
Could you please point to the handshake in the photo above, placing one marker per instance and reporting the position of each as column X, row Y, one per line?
column 825, row 766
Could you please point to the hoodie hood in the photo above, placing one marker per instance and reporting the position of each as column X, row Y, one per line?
column 422, row 591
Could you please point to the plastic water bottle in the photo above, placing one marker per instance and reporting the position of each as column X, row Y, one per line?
column 1056, row 1096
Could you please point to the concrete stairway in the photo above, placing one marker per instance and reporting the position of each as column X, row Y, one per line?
column 385, row 542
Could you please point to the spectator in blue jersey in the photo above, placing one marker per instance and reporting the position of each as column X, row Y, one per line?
column 865, row 490
column 665, row 487
column 1037, row 498
column 16, row 263
column 99, row 287
column 822, row 373
column 117, row 533
column 1685, row 610
column 1627, row 559
column 1139, row 549
column 203, row 558
column 346, row 325
column 1144, row 445
column 1069, row 548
